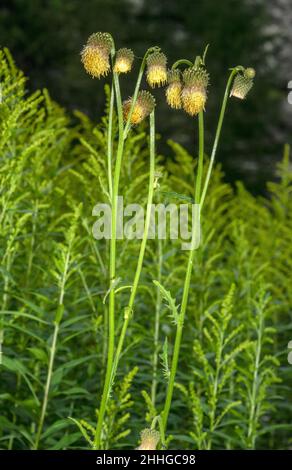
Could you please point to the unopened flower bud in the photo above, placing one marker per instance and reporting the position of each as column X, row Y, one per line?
column 194, row 93
column 96, row 53
column 124, row 61
column 144, row 105
column 249, row 73
column 174, row 88
column 156, row 69
column 242, row 84
column 149, row 439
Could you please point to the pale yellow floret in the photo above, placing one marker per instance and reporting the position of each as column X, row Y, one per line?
column 149, row 439
column 156, row 75
column 95, row 60
column 173, row 95
column 138, row 113
column 144, row 105
column 193, row 100
column 238, row 94
column 122, row 65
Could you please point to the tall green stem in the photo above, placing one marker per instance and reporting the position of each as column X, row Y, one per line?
column 199, row 199
column 156, row 327
column 53, row 349
column 110, row 140
column 47, row 386
column 129, row 308
column 218, row 133
column 137, row 87
column 186, row 289
column 253, row 418
column 112, row 266
column 123, row 132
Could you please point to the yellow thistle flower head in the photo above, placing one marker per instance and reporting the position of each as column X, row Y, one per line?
column 95, row 54
column 194, row 92
column 242, row 84
column 149, row 439
column 124, row 61
column 156, row 69
column 174, row 88
column 144, row 105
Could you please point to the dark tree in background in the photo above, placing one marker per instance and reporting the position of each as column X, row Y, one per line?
column 46, row 36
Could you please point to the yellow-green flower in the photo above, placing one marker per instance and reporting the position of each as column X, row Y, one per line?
column 144, row 105
column 194, row 92
column 124, row 61
column 95, row 55
column 174, row 89
column 149, row 439
column 156, row 69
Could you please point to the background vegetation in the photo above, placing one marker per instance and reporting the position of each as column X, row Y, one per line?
column 234, row 381
column 45, row 37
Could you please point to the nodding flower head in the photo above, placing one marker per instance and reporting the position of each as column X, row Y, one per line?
column 144, row 105
column 174, row 88
column 96, row 53
column 124, row 61
column 149, row 439
column 194, row 92
column 243, row 83
column 156, row 69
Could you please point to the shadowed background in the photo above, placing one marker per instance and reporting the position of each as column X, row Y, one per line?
column 45, row 37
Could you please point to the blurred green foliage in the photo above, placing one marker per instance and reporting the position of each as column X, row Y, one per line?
column 46, row 37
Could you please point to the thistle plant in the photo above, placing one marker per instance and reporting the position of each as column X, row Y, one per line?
column 191, row 95
column 182, row 361
column 132, row 112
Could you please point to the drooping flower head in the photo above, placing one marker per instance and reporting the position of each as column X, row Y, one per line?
column 149, row 439
column 156, row 69
column 174, row 89
column 124, row 61
column 194, row 92
column 243, row 83
column 144, row 105
column 95, row 55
